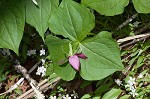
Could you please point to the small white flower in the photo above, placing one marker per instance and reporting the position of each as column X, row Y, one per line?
column 140, row 76
column 41, row 71
column 42, row 52
column 131, row 87
column 133, row 93
column 35, row 2
column 31, row 52
column 61, row 96
column 75, row 95
column 52, row 97
column 118, row 82
column 131, row 81
column 43, row 61
column 67, row 97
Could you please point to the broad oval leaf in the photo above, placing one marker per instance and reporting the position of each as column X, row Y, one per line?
column 106, row 7
column 58, row 48
column 72, row 20
column 142, row 6
column 38, row 15
column 12, row 21
column 103, row 57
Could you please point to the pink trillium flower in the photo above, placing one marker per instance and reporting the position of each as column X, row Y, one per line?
column 75, row 62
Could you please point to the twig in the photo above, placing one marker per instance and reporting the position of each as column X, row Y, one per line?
column 13, row 87
column 19, row 81
column 34, row 67
column 25, row 73
column 29, row 91
column 127, row 21
column 133, row 37
column 134, row 41
column 43, row 86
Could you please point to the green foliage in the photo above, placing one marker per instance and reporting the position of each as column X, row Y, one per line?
column 103, row 57
column 112, row 94
column 12, row 20
column 57, row 48
column 38, row 16
column 142, row 6
column 107, row 7
column 72, row 20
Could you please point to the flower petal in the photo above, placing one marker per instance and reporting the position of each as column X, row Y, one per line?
column 74, row 61
column 81, row 55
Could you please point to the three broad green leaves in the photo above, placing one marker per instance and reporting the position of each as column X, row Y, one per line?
column 102, row 52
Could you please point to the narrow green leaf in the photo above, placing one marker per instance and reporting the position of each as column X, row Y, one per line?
column 58, row 49
column 38, row 16
column 106, row 7
column 72, row 20
column 103, row 57
column 142, row 6
column 112, row 94
column 12, row 21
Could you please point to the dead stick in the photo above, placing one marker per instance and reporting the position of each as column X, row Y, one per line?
column 31, row 90
column 134, row 41
column 132, row 38
column 30, row 93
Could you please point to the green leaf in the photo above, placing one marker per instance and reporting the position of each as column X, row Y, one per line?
column 72, row 20
column 103, row 57
column 38, row 16
column 106, row 7
column 58, row 49
column 142, row 6
column 65, row 71
column 102, row 88
column 86, row 96
column 12, row 21
column 112, row 94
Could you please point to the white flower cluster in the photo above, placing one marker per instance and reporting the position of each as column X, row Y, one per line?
column 41, row 69
column 132, row 86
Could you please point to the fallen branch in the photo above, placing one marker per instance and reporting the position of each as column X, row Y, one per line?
column 43, row 86
column 134, row 41
column 133, row 37
column 20, row 80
